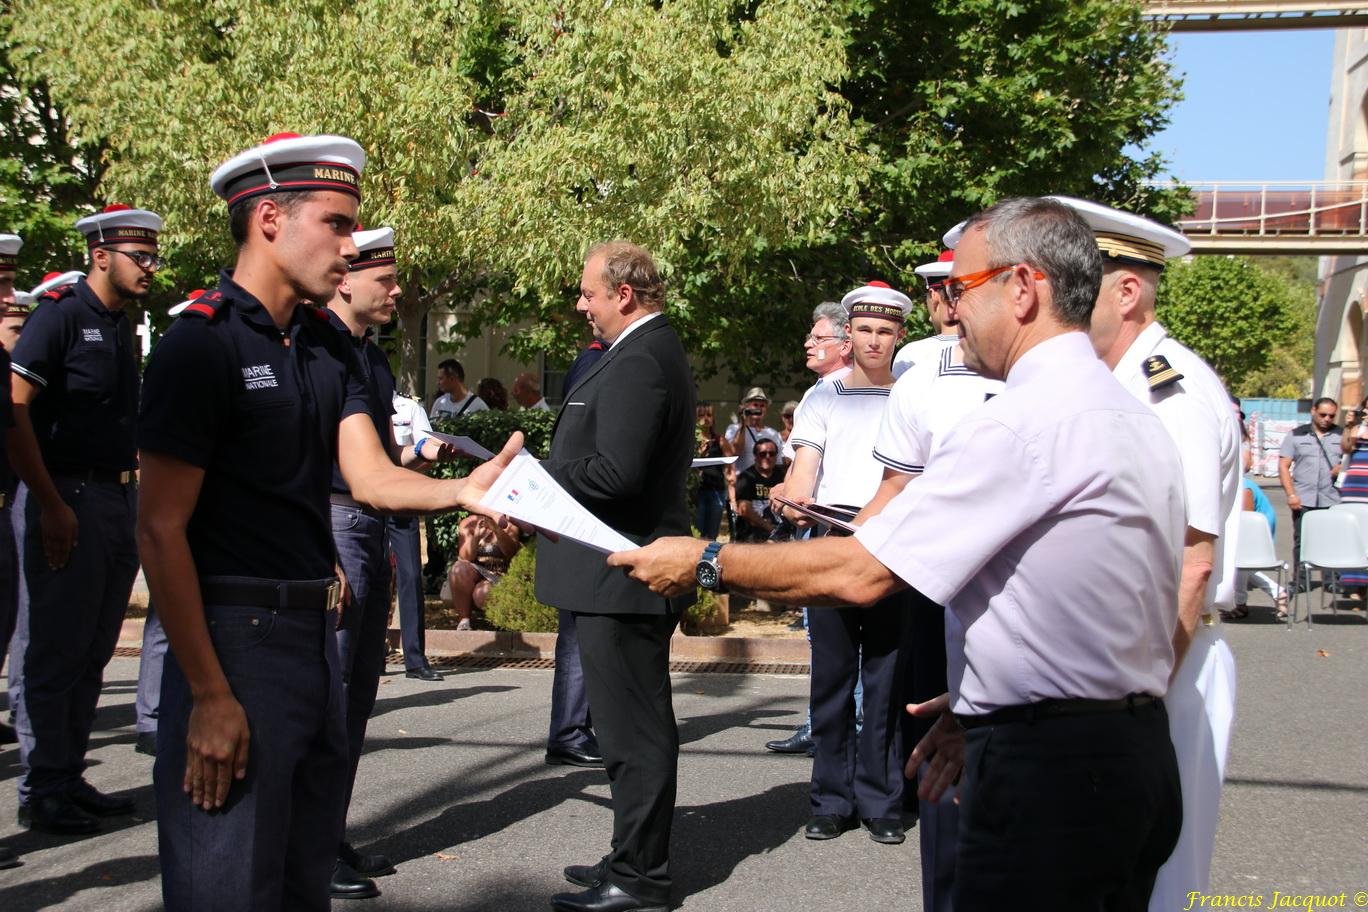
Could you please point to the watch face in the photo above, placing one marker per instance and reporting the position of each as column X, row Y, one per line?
column 707, row 575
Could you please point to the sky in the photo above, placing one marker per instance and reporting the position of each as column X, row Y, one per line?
column 1255, row 107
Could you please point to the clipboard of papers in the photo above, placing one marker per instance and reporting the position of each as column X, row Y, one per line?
column 835, row 517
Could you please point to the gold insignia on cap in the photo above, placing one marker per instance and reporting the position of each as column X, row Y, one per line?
column 1159, row 372
column 1133, row 248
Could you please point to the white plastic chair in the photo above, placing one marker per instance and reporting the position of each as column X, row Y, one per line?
column 1360, row 513
column 1254, row 550
column 1330, row 540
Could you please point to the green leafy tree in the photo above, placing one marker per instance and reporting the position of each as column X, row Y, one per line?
column 1232, row 313
column 771, row 153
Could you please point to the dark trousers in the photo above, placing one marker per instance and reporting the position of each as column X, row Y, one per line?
column 9, row 582
column 708, row 518
column 360, row 540
column 1076, row 813
column 925, row 678
column 273, row 844
column 570, row 719
column 627, row 674
column 858, row 774
column 401, row 534
column 154, row 646
column 67, row 629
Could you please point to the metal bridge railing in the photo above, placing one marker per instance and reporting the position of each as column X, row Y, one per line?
column 1278, row 209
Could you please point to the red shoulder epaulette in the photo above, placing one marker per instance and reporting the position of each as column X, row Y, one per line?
column 206, row 305
column 319, row 313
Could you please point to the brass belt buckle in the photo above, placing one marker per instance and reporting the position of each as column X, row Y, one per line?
column 2, row 500
column 334, row 594
column 1209, row 620
column 125, row 477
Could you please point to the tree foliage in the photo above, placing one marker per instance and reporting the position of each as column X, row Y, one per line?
column 771, row 153
column 1243, row 319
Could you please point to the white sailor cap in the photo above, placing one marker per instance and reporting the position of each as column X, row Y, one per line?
column 288, row 162
column 375, row 247
column 934, row 272
column 54, row 282
column 9, row 252
column 120, row 224
column 952, row 237
column 22, row 306
column 194, row 296
column 1128, row 237
column 877, row 299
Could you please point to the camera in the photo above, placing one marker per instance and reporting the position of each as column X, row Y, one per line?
column 752, row 412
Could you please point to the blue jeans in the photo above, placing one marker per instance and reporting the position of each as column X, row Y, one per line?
column 708, row 519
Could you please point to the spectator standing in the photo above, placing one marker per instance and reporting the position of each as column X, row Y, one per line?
column 712, row 480
column 1308, row 463
column 455, row 399
column 492, row 392
column 401, row 538
column 527, row 392
column 740, row 438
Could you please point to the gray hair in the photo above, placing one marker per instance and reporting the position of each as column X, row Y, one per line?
column 1054, row 239
column 834, row 314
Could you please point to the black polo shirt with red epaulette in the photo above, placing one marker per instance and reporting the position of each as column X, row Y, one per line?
column 257, row 408
column 81, row 356
column 379, row 380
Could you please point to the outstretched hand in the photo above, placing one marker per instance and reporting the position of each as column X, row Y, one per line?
column 942, row 749
column 666, row 565
column 478, row 482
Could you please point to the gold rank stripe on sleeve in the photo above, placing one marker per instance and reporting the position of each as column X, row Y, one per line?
column 1159, row 372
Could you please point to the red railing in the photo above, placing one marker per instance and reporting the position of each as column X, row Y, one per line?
column 1279, row 209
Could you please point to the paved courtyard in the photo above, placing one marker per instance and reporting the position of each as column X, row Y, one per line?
column 453, row 788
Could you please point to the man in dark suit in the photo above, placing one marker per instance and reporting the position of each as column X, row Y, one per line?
column 621, row 446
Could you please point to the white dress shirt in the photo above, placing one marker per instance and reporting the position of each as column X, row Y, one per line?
column 1050, row 524
column 1198, row 415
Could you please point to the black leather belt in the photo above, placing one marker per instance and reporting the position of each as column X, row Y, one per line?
column 1054, row 709
column 346, row 500
column 104, row 476
column 296, row 595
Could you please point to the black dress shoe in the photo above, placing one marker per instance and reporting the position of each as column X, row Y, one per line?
column 56, row 814
column 93, row 801
column 885, row 830
column 8, row 859
column 586, row 755
column 374, row 865
column 147, row 743
column 588, row 876
column 605, row 897
column 827, row 826
column 7, row 734
column 425, row 673
column 800, row 742
column 347, row 884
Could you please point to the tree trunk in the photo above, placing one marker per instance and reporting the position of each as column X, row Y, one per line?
column 412, row 311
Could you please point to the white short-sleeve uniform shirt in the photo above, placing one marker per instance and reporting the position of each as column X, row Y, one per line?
column 1198, row 415
column 921, row 352
column 925, row 403
column 840, row 423
column 1050, row 523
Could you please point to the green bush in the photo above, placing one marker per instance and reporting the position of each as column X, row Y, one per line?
column 513, row 602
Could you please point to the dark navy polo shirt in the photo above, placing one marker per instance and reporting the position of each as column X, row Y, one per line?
column 379, row 380
column 260, row 416
column 81, row 356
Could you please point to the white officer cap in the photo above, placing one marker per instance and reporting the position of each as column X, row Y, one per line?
column 9, row 252
column 1128, row 237
column 120, row 224
column 376, row 248
column 288, row 162
column 877, row 299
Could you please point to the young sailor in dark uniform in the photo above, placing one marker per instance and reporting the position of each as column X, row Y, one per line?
column 250, row 398
column 75, row 388
column 365, row 300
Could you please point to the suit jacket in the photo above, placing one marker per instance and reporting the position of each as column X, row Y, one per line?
column 621, row 446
